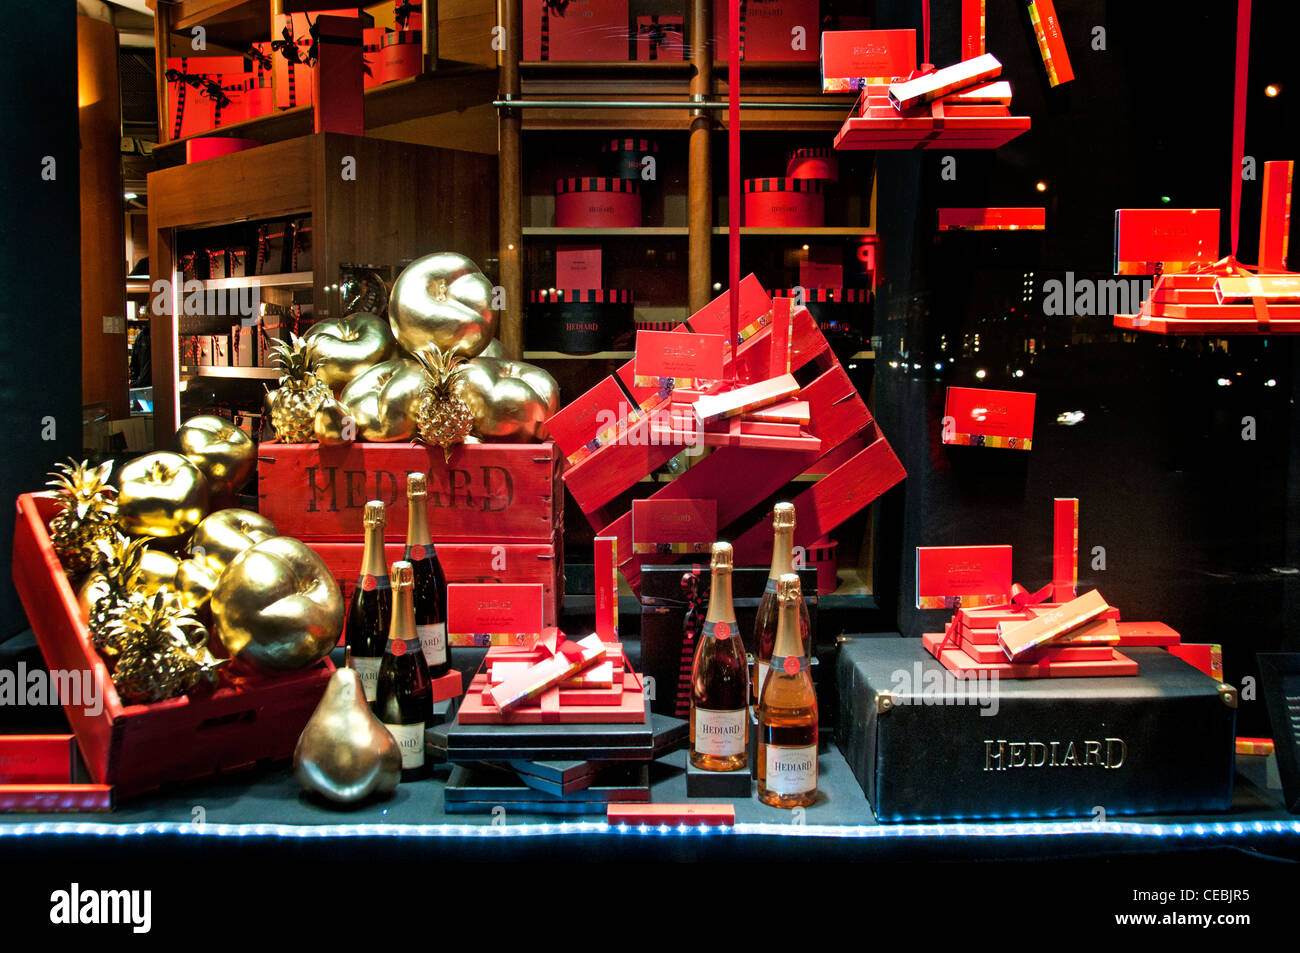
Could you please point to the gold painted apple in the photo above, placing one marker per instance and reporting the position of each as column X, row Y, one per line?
column 510, row 400
column 443, row 299
column 162, row 495
column 382, row 400
column 347, row 346
column 224, row 454
column 277, row 608
column 223, row 535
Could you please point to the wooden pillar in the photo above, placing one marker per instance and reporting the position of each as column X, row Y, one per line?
column 162, row 26
column 700, row 162
column 103, row 245
column 429, row 34
column 510, row 187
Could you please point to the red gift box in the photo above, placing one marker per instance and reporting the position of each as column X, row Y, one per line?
column 979, row 417
column 1051, row 45
column 403, row 55
column 784, row 203
column 337, row 87
column 1148, row 240
column 291, row 53
column 660, row 38
column 674, row 526
column 577, row 266
column 992, row 219
column 949, row 577
column 577, row 30
column 1275, row 215
column 597, row 203
column 204, row 93
column 372, row 56
column 962, row 119
column 771, row 31
column 972, row 28
column 136, row 748
column 815, row 162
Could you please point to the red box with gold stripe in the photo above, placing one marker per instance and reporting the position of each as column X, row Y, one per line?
column 1275, row 215
column 784, row 203
column 597, row 202
column 981, row 417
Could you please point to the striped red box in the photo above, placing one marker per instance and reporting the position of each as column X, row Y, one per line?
column 784, row 203
column 597, row 203
column 813, row 162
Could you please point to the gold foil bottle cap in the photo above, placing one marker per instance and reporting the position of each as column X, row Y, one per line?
column 722, row 557
column 374, row 514
column 787, row 588
column 402, row 574
column 783, row 516
column 417, row 484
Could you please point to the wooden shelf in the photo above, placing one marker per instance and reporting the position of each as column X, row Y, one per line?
column 233, row 373
column 548, row 231
column 821, row 231
column 452, row 87
column 288, row 279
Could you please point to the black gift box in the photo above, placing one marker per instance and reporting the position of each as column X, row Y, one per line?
column 272, row 248
column 663, row 616
column 300, row 253
column 916, row 739
column 579, row 320
column 485, row 788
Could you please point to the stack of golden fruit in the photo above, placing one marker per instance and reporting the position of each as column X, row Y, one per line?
column 155, row 554
column 430, row 371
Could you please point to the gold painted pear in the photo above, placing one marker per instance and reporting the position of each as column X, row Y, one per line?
column 344, row 753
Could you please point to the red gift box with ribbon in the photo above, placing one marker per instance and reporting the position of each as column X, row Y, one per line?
column 575, row 30
column 204, row 93
column 294, row 49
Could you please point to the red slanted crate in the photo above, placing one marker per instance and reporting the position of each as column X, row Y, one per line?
column 36, row 775
column 137, row 748
column 497, row 493
column 841, row 444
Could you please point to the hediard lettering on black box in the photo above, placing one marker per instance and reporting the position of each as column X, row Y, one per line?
column 485, row 489
column 1108, row 754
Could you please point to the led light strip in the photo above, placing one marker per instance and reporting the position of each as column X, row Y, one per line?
column 1216, row 829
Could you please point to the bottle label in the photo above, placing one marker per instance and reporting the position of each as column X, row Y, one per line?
column 400, row 647
column 410, row 739
column 433, row 641
column 790, row 664
column 791, row 770
column 721, row 733
column 367, row 670
column 722, row 630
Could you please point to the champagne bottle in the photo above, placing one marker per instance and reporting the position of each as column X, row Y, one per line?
column 430, row 582
column 720, row 679
column 402, row 696
column 768, row 609
column 370, row 611
column 787, row 712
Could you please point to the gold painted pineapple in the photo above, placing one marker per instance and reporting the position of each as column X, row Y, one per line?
column 442, row 417
column 159, row 649
column 87, row 517
column 113, row 585
column 294, row 403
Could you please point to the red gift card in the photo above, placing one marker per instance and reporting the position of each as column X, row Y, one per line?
column 1275, row 215
column 823, row 268
column 948, row 577
column 1051, row 45
column 1175, row 238
column 972, row 28
column 977, row 417
column 577, row 266
column 591, row 421
column 576, row 30
column 678, row 355
column 498, row 608
column 992, row 219
column 1065, row 549
column 674, row 526
column 873, row 55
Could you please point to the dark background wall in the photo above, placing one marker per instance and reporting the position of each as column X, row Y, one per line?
column 1199, row 526
column 40, row 290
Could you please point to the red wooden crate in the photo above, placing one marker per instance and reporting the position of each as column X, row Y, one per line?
column 466, row 562
column 136, row 748
column 488, row 493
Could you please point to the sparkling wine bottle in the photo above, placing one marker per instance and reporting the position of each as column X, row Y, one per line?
column 370, row 611
column 787, row 712
column 720, row 679
column 430, row 582
column 402, row 697
column 765, row 622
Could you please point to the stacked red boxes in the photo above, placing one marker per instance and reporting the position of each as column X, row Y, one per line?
column 205, row 93
column 496, row 510
column 291, row 43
